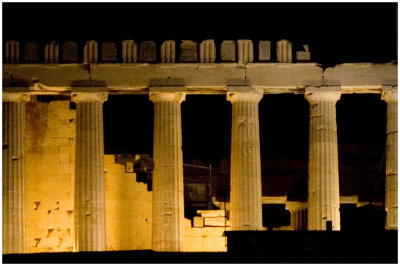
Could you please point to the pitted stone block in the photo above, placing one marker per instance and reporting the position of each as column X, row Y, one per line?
column 188, row 51
column 70, row 52
column 303, row 55
column 228, row 51
column 147, row 51
column 109, row 52
column 264, row 51
column 31, row 52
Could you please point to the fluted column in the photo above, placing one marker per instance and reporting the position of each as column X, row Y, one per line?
column 323, row 169
column 14, row 213
column 390, row 96
column 168, row 208
column 245, row 198
column 89, row 172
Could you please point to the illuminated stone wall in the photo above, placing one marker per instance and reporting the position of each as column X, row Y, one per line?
column 50, row 156
column 50, row 159
column 128, row 209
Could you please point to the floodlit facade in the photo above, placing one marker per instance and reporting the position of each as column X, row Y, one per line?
column 62, row 193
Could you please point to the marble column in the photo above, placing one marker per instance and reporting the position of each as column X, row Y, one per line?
column 245, row 197
column 14, row 213
column 89, row 172
column 168, row 208
column 390, row 96
column 323, row 169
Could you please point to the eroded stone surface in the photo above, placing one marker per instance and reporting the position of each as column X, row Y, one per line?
column 31, row 52
column 70, row 52
column 303, row 55
column 147, row 51
column 264, row 50
column 109, row 52
column 228, row 51
column 188, row 51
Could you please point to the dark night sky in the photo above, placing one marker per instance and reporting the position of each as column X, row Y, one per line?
column 335, row 32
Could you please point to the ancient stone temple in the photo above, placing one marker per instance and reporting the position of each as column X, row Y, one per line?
column 61, row 192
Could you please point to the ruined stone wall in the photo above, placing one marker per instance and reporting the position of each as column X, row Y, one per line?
column 50, row 162
column 128, row 209
column 50, row 156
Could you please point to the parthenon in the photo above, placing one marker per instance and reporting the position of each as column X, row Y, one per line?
column 61, row 192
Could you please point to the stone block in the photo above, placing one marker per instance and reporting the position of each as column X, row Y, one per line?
column 198, row 221
column 214, row 221
column 284, row 51
column 245, row 51
column 187, row 223
column 207, row 51
column 129, row 51
column 188, row 51
column 51, row 52
column 192, row 244
column 12, row 52
column 70, row 52
column 228, row 51
column 214, row 231
column 211, row 213
column 90, row 52
column 31, row 52
column 167, row 52
column 303, row 55
column 214, row 244
column 109, row 52
column 194, row 231
column 264, row 51
column 147, row 51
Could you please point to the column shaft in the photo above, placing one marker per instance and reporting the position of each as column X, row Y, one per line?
column 391, row 160
column 14, row 213
column 245, row 197
column 168, row 208
column 323, row 169
column 89, row 173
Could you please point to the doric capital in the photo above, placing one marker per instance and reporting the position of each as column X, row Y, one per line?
column 167, row 96
column 78, row 97
column 389, row 93
column 167, row 93
column 244, row 93
column 15, row 97
column 322, row 94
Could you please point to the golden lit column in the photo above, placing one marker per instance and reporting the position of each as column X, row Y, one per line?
column 245, row 197
column 323, row 169
column 390, row 96
column 14, row 213
column 168, row 208
column 89, row 172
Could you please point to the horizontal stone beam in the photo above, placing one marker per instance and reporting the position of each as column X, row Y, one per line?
column 136, row 78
